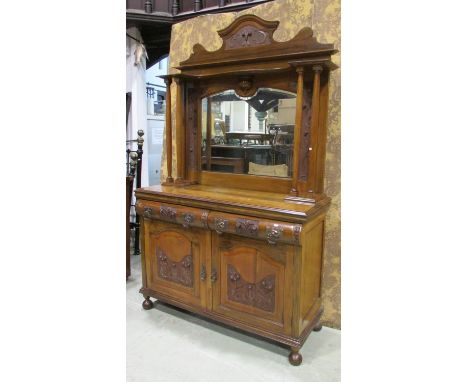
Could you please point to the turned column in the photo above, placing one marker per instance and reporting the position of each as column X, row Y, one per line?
column 169, row 178
column 314, row 130
column 297, row 129
column 180, row 133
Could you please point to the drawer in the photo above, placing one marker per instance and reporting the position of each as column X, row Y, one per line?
column 270, row 231
column 186, row 216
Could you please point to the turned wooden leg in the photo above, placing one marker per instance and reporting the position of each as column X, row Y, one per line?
column 295, row 358
column 147, row 304
column 317, row 328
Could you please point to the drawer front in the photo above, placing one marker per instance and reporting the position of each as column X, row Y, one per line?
column 185, row 216
column 269, row 231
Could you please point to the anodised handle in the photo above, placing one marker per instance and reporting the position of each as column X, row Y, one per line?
column 214, row 275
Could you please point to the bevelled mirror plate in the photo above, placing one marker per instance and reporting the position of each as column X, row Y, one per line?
column 249, row 135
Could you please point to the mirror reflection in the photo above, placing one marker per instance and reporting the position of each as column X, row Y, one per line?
column 252, row 135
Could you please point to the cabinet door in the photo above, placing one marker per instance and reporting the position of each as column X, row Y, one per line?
column 253, row 281
column 175, row 263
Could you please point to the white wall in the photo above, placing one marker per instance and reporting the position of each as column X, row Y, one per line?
column 155, row 123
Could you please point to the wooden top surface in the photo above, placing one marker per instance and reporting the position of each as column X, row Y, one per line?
column 245, row 202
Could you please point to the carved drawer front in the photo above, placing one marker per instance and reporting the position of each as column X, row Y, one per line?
column 269, row 231
column 175, row 262
column 252, row 281
column 186, row 216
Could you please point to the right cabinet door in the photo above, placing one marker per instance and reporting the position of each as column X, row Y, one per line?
column 252, row 281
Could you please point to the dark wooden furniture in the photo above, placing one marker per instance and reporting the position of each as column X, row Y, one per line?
column 128, row 198
column 134, row 161
column 241, row 249
column 236, row 164
column 248, row 138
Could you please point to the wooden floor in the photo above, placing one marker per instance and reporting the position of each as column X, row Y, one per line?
column 167, row 344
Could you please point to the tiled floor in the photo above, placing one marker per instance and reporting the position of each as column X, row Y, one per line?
column 169, row 345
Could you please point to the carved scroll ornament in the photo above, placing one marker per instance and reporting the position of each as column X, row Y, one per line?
column 168, row 213
column 274, row 233
column 260, row 295
column 220, row 225
column 247, row 36
column 148, row 212
column 188, row 219
column 247, row 227
column 180, row 272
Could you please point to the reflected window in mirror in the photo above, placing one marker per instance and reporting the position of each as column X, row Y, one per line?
column 249, row 135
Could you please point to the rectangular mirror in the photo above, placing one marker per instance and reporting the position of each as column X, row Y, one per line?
column 249, row 135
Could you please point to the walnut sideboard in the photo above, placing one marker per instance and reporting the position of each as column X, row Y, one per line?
column 253, row 261
column 243, row 245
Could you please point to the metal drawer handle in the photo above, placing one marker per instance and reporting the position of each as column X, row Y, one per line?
column 203, row 273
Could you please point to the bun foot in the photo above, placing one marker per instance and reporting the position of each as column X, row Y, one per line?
column 317, row 328
column 147, row 304
column 295, row 358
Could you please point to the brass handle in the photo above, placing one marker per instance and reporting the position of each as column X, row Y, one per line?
column 203, row 273
column 214, row 275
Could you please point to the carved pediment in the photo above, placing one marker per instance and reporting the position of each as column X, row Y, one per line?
column 248, row 31
column 250, row 39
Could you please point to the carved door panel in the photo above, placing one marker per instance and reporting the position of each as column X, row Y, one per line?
column 175, row 263
column 253, row 281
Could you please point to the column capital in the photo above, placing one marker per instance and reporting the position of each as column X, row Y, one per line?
column 300, row 69
column 317, row 68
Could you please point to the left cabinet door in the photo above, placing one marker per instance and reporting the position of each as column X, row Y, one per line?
column 175, row 262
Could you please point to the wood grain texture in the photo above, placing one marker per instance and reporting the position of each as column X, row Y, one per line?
column 323, row 16
column 263, row 268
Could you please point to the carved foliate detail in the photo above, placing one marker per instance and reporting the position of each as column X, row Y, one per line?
column 248, row 36
column 188, row 219
column 168, row 213
column 274, row 233
column 247, row 227
column 220, row 225
column 260, row 295
column 147, row 212
column 245, row 87
column 179, row 272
